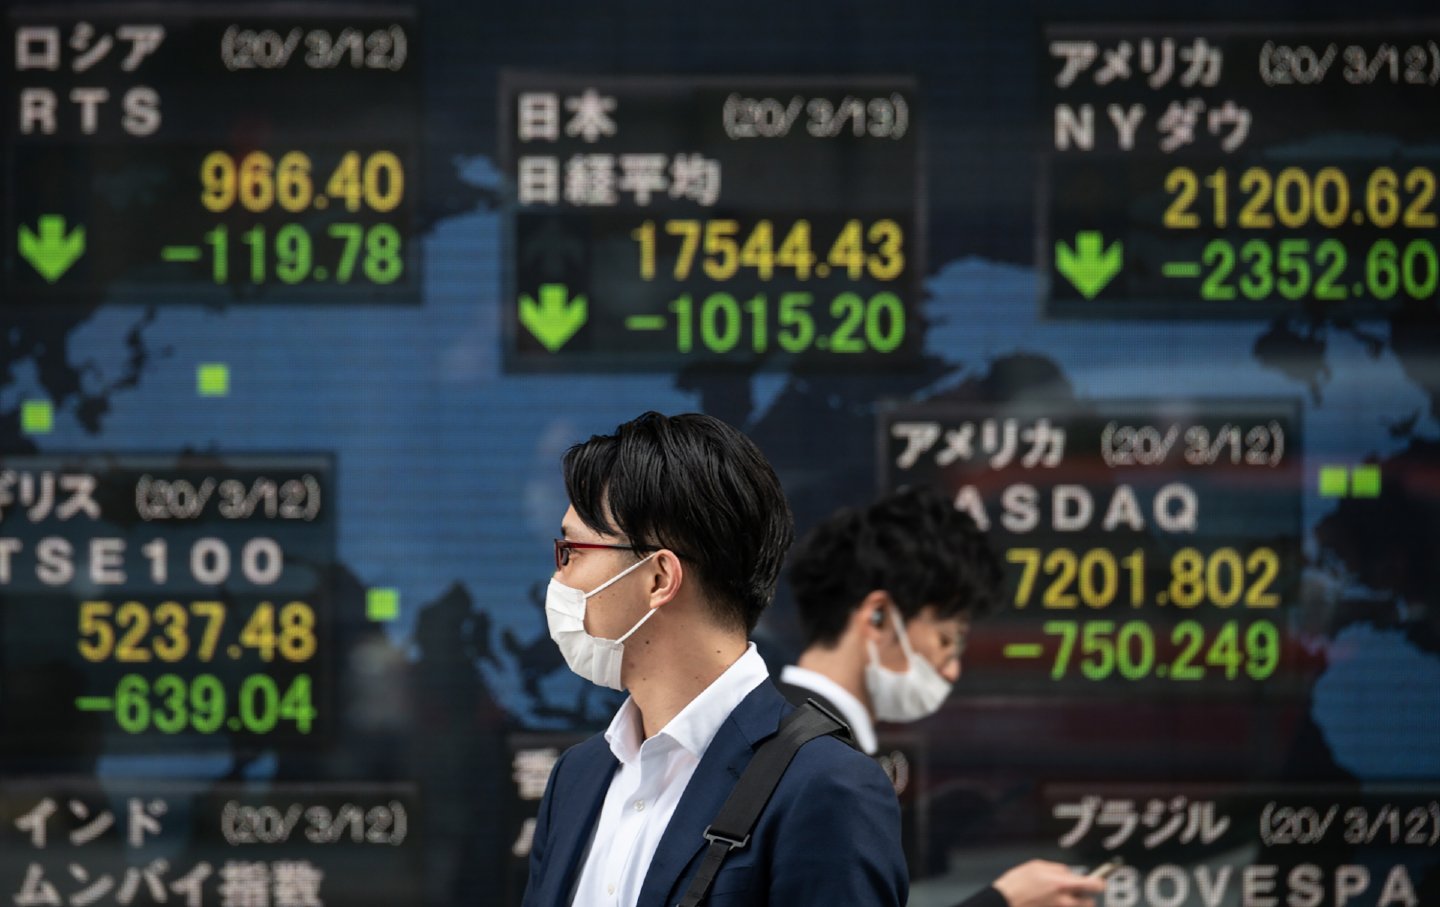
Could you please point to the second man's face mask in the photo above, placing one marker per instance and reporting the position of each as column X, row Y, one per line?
column 595, row 659
column 908, row 695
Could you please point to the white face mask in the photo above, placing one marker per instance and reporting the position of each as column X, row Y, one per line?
column 904, row 696
column 597, row 660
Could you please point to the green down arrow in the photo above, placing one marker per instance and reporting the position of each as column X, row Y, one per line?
column 1087, row 266
column 556, row 318
column 52, row 252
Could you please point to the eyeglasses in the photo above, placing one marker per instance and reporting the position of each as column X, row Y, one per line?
column 563, row 547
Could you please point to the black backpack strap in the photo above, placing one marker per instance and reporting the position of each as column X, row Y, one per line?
column 732, row 825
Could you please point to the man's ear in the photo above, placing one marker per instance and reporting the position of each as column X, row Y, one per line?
column 667, row 573
column 872, row 616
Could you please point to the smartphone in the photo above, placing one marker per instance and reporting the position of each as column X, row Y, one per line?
column 1104, row 869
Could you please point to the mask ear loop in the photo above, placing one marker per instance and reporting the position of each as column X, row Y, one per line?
column 621, row 575
column 631, row 632
column 600, row 588
column 904, row 638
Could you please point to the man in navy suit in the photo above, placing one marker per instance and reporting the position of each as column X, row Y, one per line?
column 886, row 594
column 670, row 550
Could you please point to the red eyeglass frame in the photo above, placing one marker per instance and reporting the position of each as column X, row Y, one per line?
column 564, row 546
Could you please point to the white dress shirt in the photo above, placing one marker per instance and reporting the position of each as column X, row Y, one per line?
column 851, row 709
column 647, row 786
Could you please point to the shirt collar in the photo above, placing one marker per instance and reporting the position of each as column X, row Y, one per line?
column 696, row 724
column 851, row 709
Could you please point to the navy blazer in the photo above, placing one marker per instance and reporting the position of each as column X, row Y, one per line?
column 830, row 834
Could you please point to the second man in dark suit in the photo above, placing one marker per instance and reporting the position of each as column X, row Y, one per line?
column 886, row 595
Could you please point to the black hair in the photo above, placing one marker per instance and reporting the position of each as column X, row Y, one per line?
column 694, row 485
column 912, row 544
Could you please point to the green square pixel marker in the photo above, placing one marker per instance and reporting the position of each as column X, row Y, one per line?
column 1365, row 481
column 37, row 417
column 1334, row 481
column 382, row 604
column 213, row 379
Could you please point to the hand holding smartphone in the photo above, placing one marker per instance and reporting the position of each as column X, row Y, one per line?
column 1104, row 869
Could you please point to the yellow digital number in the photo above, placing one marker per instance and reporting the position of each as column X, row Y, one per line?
column 1253, row 215
column 1327, row 213
column 1292, row 197
column 795, row 251
column 1095, row 577
column 1224, row 578
column 1061, row 561
column 1029, row 559
column 1135, row 564
column 848, row 253
column 888, row 260
column 125, row 635
column 1182, row 183
column 1218, row 185
column 1098, row 561
column 645, row 236
column 259, row 632
column 95, row 622
column 217, row 180
column 722, row 252
column 293, row 187
column 297, row 632
column 257, row 181
column 1417, row 215
column 213, row 613
column 689, row 233
column 172, row 618
column 1382, row 197
column 344, row 183
column 384, row 181
column 133, row 620
column 1187, row 578
column 759, row 250
column 1267, row 563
